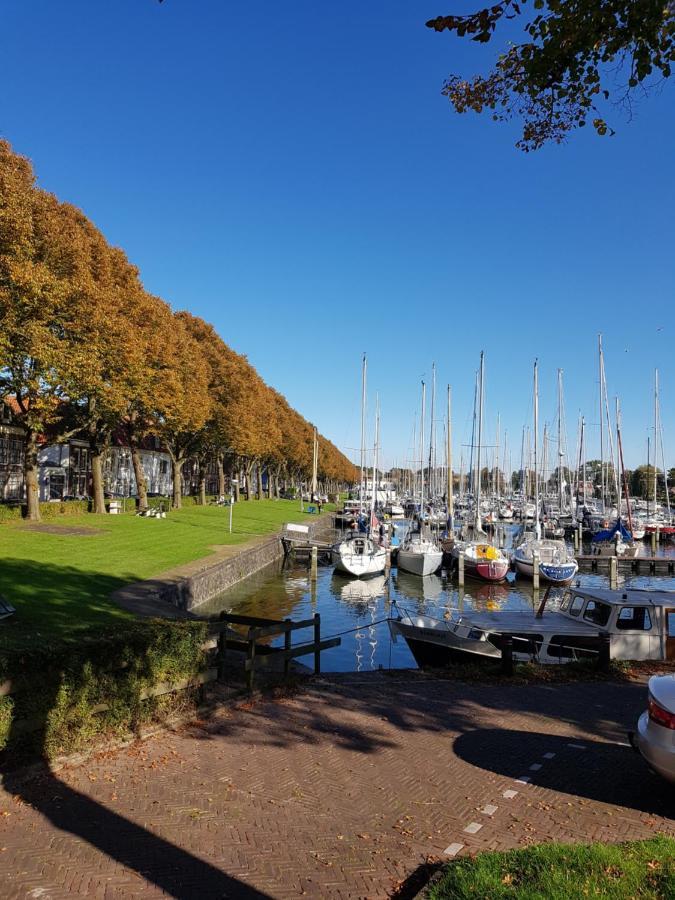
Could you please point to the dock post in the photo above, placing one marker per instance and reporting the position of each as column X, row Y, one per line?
column 654, row 538
column 317, row 644
column 576, row 540
column 387, row 559
column 604, row 651
column 315, row 561
column 507, row 654
column 613, row 567
column 222, row 648
column 580, row 535
column 287, row 649
column 535, row 571
column 460, row 567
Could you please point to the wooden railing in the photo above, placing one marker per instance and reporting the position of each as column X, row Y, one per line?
column 259, row 656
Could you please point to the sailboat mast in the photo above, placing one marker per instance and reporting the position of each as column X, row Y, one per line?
column 656, row 434
column 601, row 367
column 451, row 499
column 496, row 485
column 536, row 430
column 432, row 436
column 480, row 439
column 560, row 445
column 373, row 501
column 424, row 394
column 623, row 471
column 362, row 490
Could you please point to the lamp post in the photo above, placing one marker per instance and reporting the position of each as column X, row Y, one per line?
column 233, row 481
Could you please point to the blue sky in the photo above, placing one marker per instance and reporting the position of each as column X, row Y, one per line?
column 291, row 173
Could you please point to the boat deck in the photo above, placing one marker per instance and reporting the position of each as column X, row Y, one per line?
column 523, row 621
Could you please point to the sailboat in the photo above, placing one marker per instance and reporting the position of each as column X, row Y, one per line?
column 481, row 558
column 419, row 553
column 554, row 562
column 359, row 555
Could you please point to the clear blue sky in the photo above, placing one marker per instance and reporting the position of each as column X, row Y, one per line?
column 291, row 173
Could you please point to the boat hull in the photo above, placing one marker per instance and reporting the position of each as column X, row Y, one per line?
column 419, row 563
column 552, row 573
column 359, row 558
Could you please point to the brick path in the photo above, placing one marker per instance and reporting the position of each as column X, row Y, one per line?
column 342, row 791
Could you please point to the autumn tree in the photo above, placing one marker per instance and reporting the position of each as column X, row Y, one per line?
column 571, row 59
column 181, row 405
column 38, row 272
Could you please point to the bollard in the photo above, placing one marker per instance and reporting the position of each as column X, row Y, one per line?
column 317, row 642
column 604, row 651
column 535, row 571
column 507, row 654
column 576, row 540
column 460, row 567
column 613, row 568
column 222, row 649
column 580, row 535
column 315, row 561
column 654, row 537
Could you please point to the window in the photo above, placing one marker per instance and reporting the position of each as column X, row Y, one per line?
column 4, row 449
column 577, row 603
column 597, row 613
column 565, row 605
column 634, row 618
column 15, row 450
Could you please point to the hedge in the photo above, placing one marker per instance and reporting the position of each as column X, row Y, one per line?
column 65, row 696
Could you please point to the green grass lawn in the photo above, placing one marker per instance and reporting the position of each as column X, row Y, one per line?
column 60, row 582
column 638, row 869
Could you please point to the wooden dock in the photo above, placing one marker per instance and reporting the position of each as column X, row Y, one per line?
column 636, row 565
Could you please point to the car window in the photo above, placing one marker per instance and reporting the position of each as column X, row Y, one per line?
column 597, row 613
column 577, row 603
column 634, row 618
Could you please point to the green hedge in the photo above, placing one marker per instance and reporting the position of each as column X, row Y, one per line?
column 58, row 691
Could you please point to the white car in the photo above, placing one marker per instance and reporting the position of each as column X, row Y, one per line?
column 655, row 736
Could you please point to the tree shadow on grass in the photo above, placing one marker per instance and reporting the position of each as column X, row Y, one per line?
column 161, row 862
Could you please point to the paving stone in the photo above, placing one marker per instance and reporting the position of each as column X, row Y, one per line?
column 341, row 791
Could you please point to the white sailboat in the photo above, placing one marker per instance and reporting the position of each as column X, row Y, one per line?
column 554, row 562
column 359, row 555
column 481, row 558
column 419, row 553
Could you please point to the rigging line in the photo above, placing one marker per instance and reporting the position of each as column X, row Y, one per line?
column 358, row 628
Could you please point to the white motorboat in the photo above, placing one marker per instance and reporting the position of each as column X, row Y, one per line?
column 637, row 624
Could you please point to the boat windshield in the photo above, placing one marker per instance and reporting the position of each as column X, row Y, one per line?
column 597, row 613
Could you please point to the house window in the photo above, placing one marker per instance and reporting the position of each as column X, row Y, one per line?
column 634, row 618
column 163, row 466
column 15, row 450
column 4, row 449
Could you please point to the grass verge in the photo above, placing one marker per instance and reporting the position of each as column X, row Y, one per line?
column 638, row 869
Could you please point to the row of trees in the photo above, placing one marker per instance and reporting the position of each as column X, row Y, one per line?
column 85, row 350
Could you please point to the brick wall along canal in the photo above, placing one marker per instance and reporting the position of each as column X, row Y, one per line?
column 346, row 604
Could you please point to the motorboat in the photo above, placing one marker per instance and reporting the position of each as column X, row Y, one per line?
column 637, row 624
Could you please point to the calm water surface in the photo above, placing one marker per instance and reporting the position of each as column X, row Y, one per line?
column 357, row 607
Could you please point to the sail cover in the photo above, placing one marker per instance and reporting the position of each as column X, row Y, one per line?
column 609, row 533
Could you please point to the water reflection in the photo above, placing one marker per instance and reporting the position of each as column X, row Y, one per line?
column 357, row 609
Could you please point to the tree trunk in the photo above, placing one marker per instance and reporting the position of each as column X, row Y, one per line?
column 220, row 464
column 260, row 480
column 139, row 475
column 97, row 478
column 202, row 481
column 249, row 472
column 177, row 501
column 30, row 476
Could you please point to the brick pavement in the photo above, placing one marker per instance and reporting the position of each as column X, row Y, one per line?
column 341, row 791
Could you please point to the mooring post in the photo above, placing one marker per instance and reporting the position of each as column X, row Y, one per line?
column 654, row 542
column 580, row 535
column 613, row 569
column 287, row 648
column 315, row 561
column 535, row 570
column 250, row 658
column 460, row 567
column 576, row 539
column 507, row 654
column 604, row 652
column 317, row 642
column 222, row 648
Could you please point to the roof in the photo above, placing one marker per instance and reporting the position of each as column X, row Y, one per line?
column 636, row 596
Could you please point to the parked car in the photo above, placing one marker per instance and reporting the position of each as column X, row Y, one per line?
column 655, row 736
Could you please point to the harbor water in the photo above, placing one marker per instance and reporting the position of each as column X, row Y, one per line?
column 357, row 609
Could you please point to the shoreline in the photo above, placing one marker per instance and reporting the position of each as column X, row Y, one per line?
column 179, row 591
